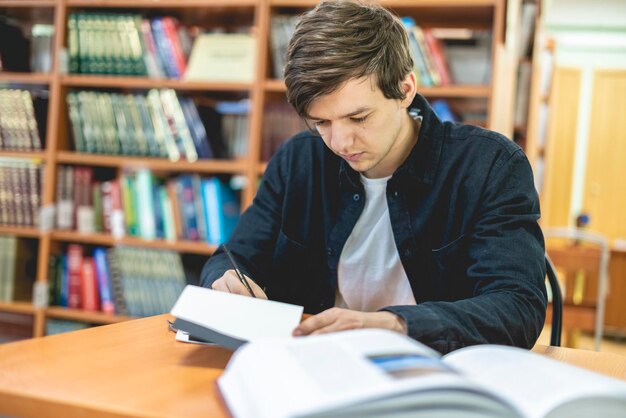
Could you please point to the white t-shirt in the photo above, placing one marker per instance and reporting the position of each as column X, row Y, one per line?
column 370, row 274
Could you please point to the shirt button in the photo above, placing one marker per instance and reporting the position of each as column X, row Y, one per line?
column 329, row 251
column 408, row 253
column 395, row 194
column 356, row 197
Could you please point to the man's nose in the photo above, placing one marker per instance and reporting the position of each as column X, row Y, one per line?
column 341, row 138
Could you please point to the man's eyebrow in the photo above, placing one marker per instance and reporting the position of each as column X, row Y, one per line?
column 347, row 115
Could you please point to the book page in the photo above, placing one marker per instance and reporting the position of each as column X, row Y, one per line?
column 331, row 374
column 535, row 384
column 240, row 317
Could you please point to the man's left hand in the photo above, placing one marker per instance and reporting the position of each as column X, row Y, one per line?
column 337, row 319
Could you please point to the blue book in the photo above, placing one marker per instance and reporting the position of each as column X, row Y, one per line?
column 104, row 281
column 187, row 205
column 211, row 210
column 64, row 291
column 164, row 48
column 196, row 129
column 442, row 109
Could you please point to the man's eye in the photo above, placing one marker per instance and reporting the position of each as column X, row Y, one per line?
column 320, row 122
column 359, row 120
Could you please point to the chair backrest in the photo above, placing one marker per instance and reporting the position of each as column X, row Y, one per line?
column 557, row 304
column 580, row 262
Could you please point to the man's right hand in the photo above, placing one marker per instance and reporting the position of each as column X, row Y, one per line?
column 230, row 283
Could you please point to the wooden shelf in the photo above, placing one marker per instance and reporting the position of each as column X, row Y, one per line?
column 18, row 231
column 32, row 155
column 17, row 307
column 84, row 316
column 189, row 247
column 24, row 78
column 157, row 164
column 154, row 4
column 396, row 3
column 28, row 3
column 461, row 91
column 95, row 81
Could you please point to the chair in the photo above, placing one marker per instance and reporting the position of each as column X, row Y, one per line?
column 557, row 304
column 580, row 263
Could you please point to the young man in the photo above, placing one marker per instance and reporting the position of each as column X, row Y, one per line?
column 387, row 217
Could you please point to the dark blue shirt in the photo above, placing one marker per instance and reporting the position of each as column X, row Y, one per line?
column 463, row 211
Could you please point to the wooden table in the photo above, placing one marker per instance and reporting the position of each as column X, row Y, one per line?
column 138, row 369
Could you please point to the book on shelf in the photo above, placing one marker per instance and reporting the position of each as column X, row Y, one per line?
column 468, row 54
column 222, row 57
column 42, row 36
column 156, row 124
column 19, row 130
column 280, row 122
column 20, row 192
column 443, row 110
column 281, row 31
column 126, row 44
column 17, row 268
column 120, row 280
column 522, row 94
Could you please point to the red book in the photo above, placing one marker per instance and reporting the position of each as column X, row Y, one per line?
column 74, row 274
column 89, row 288
column 169, row 26
column 439, row 60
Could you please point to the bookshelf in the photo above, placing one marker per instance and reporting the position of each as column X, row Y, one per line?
column 263, row 91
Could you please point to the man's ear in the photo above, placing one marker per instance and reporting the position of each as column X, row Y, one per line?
column 409, row 87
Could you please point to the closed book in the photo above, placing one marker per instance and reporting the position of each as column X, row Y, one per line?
column 74, row 274
column 196, row 128
column 144, row 191
column 164, row 49
column 171, row 33
column 103, row 279
column 436, row 48
column 186, row 199
column 222, row 57
column 116, row 282
column 129, row 203
column 90, row 297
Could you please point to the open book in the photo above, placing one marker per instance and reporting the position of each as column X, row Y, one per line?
column 378, row 373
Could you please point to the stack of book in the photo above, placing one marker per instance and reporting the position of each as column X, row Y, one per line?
column 139, row 204
column 18, row 123
column 126, row 44
column 158, row 124
column 120, row 280
column 429, row 59
column 20, row 192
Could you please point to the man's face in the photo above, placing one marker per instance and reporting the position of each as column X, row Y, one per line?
column 370, row 132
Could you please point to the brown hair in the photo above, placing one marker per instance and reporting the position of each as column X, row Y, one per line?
column 341, row 40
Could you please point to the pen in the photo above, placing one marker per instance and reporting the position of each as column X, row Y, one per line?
column 242, row 278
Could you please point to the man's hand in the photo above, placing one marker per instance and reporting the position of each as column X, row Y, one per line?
column 230, row 283
column 337, row 319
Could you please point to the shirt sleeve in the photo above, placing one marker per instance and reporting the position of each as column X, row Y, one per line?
column 506, row 255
